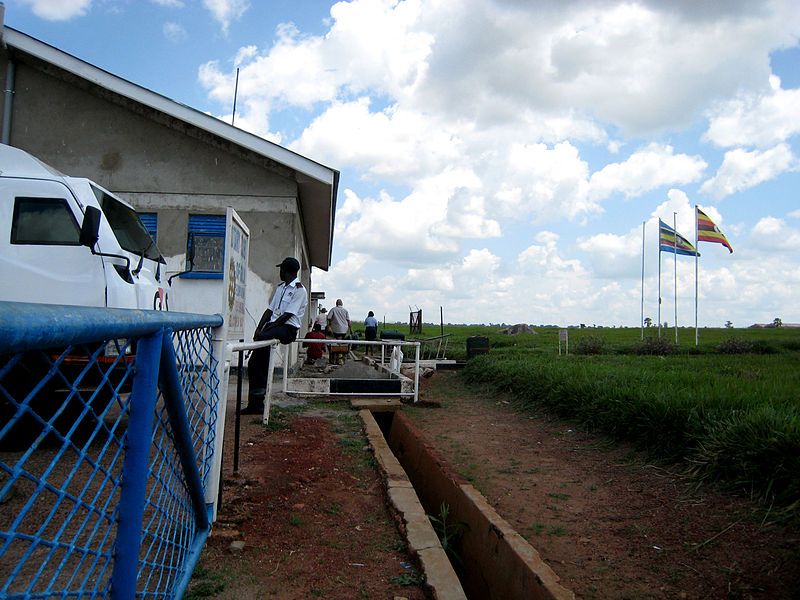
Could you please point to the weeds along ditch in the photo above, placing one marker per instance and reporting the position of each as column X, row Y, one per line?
column 728, row 411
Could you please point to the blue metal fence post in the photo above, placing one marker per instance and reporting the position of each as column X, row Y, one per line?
column 173, row 400
column 135, row 468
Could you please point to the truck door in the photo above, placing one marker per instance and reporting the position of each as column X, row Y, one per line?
column 41, row 258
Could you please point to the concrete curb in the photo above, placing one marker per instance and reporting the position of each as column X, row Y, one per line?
column 499, row 562
column 422, row 539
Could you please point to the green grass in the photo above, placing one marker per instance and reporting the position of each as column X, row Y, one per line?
column 205, row 583
column 727, row 417
column 614, row 340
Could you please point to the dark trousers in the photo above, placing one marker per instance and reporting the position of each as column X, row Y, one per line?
column 370, row 334
column 258, row 364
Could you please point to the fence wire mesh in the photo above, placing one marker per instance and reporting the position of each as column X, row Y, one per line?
column 63, row 441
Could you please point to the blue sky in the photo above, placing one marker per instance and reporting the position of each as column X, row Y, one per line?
column 498, row 157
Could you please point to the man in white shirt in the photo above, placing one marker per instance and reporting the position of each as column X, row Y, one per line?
column 339, row 320
column 280, row 321
column 322, row 318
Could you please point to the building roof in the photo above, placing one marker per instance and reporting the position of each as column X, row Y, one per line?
column 317, row 184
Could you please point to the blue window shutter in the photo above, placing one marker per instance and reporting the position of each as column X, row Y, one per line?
column 150, row 221
column 208, row 224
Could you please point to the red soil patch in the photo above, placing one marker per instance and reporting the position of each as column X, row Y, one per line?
column 313, row 517
column 609, row 523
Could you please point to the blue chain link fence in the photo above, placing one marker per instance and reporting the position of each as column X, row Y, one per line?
column 107, row 437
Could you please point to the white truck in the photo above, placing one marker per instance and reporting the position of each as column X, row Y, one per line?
column 67, row 240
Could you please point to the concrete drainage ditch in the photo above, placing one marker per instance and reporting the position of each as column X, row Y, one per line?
column 494, row 561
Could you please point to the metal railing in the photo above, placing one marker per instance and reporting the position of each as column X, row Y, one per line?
column 433, row 348
column 108, row 433
column 281, row 353
column 392, row 366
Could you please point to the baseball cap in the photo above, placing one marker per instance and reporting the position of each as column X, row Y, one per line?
column 290, row 263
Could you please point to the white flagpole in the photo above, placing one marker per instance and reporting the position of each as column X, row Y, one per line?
column 658, row 239
column 675, row 275
column 642, row 318
column 696, row 279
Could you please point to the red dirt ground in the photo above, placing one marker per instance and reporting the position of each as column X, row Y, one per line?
column 610, row 524
column 310, row 507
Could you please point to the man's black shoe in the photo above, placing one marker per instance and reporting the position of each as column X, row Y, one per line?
column 253, row 409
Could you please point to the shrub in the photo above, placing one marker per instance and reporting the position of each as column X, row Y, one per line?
column 791, row 344
column 735, row 346
column 739, row 346
column 655, row 346
column 590, row 345
column 762, row 347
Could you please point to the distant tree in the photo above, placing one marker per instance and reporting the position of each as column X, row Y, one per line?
column 728, row 324
column 648, row 322
column 777, row 322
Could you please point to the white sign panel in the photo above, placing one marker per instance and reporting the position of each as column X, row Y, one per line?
column 237, row 248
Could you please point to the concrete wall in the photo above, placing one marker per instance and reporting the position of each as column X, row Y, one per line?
column 162, row 165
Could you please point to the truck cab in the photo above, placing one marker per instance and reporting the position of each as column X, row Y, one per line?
column 67, row 240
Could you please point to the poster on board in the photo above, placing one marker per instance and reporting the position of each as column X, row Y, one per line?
column 234, row 280
column 237, row 247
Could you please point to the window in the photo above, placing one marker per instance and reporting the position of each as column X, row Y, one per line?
column 206, row 245
column 45, row 221
column 128, row 229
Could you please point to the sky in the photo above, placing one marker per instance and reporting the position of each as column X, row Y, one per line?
column 498, row 158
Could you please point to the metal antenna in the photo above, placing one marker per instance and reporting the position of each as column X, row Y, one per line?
column 235, row 93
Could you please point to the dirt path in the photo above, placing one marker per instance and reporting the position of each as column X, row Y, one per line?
column 610, row 524
column 309, row 507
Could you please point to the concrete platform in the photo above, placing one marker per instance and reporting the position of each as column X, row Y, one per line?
column 376, row 404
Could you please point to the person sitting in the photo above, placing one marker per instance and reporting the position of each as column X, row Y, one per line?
column 314, row 351
column 280, row 321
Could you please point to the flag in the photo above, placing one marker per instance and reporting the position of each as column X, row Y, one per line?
column 670, row 240
column 707, row 231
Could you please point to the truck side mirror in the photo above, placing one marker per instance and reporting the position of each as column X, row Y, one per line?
column 90, row 230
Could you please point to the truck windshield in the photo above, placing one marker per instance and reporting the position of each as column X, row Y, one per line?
column 129, row 229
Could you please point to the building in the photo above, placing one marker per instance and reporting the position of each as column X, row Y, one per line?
column 179, row 167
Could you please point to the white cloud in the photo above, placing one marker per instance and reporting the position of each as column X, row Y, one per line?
column 174, row 32
column 741, row 170
column 169, row 3
column 481, row 118
column 642, row 68
column 771, row 233
column 756, row 120
column 393, row 144
column 225, row 11
column 646, row 169
column 245, row 54
column 542, row 181
column 553, row 68
column 427, row 225
column 58, row 10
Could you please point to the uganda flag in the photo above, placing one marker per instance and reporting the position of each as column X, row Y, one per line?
column 670, row 240
column 707, row 231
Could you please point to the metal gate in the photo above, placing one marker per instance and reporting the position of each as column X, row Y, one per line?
column 108, row 422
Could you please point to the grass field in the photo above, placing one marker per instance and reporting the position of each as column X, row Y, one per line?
column 727, row 409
